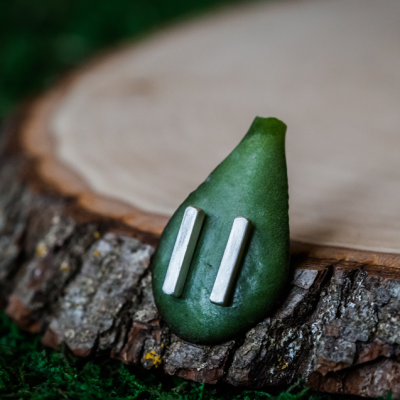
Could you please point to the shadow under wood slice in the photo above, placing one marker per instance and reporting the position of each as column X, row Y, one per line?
column 14, row 202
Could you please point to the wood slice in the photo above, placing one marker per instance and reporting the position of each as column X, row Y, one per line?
column 92, row 170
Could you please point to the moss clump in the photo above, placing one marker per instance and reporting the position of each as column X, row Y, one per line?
column 30, row 371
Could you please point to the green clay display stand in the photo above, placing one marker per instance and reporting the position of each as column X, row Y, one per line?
column 251, row 182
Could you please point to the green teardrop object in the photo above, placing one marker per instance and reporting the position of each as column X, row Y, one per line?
column 251, row 182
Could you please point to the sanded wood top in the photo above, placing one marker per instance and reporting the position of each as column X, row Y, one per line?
column 133, row 133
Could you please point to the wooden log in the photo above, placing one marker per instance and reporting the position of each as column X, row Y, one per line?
column 76, row 236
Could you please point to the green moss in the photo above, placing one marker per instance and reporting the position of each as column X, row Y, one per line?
column 30, row 371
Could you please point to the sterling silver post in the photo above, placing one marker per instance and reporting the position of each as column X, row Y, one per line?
column 230, row 263
column 183, row 251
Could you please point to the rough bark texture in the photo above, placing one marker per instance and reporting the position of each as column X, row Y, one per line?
column 86, row 282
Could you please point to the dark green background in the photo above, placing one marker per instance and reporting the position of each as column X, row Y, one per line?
column 252, row 183
column 40, row 40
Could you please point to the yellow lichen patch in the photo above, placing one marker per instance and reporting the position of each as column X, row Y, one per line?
column 64, row 267
column 96, row 253
column 96, row 235
column 41, row 250
column 152, row 355
column 283, row 364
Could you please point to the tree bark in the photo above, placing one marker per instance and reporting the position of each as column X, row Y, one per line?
column 84, row 280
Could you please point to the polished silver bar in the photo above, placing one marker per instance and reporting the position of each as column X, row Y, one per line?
column 183, row 251
column 229, row 267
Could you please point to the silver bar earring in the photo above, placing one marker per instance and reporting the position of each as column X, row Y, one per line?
column 230, row 261
column 183, row 251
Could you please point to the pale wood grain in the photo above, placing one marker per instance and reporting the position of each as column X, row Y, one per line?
column 147, row 124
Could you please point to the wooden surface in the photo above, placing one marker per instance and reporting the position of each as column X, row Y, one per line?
column 147, row 124
column 91, row 171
